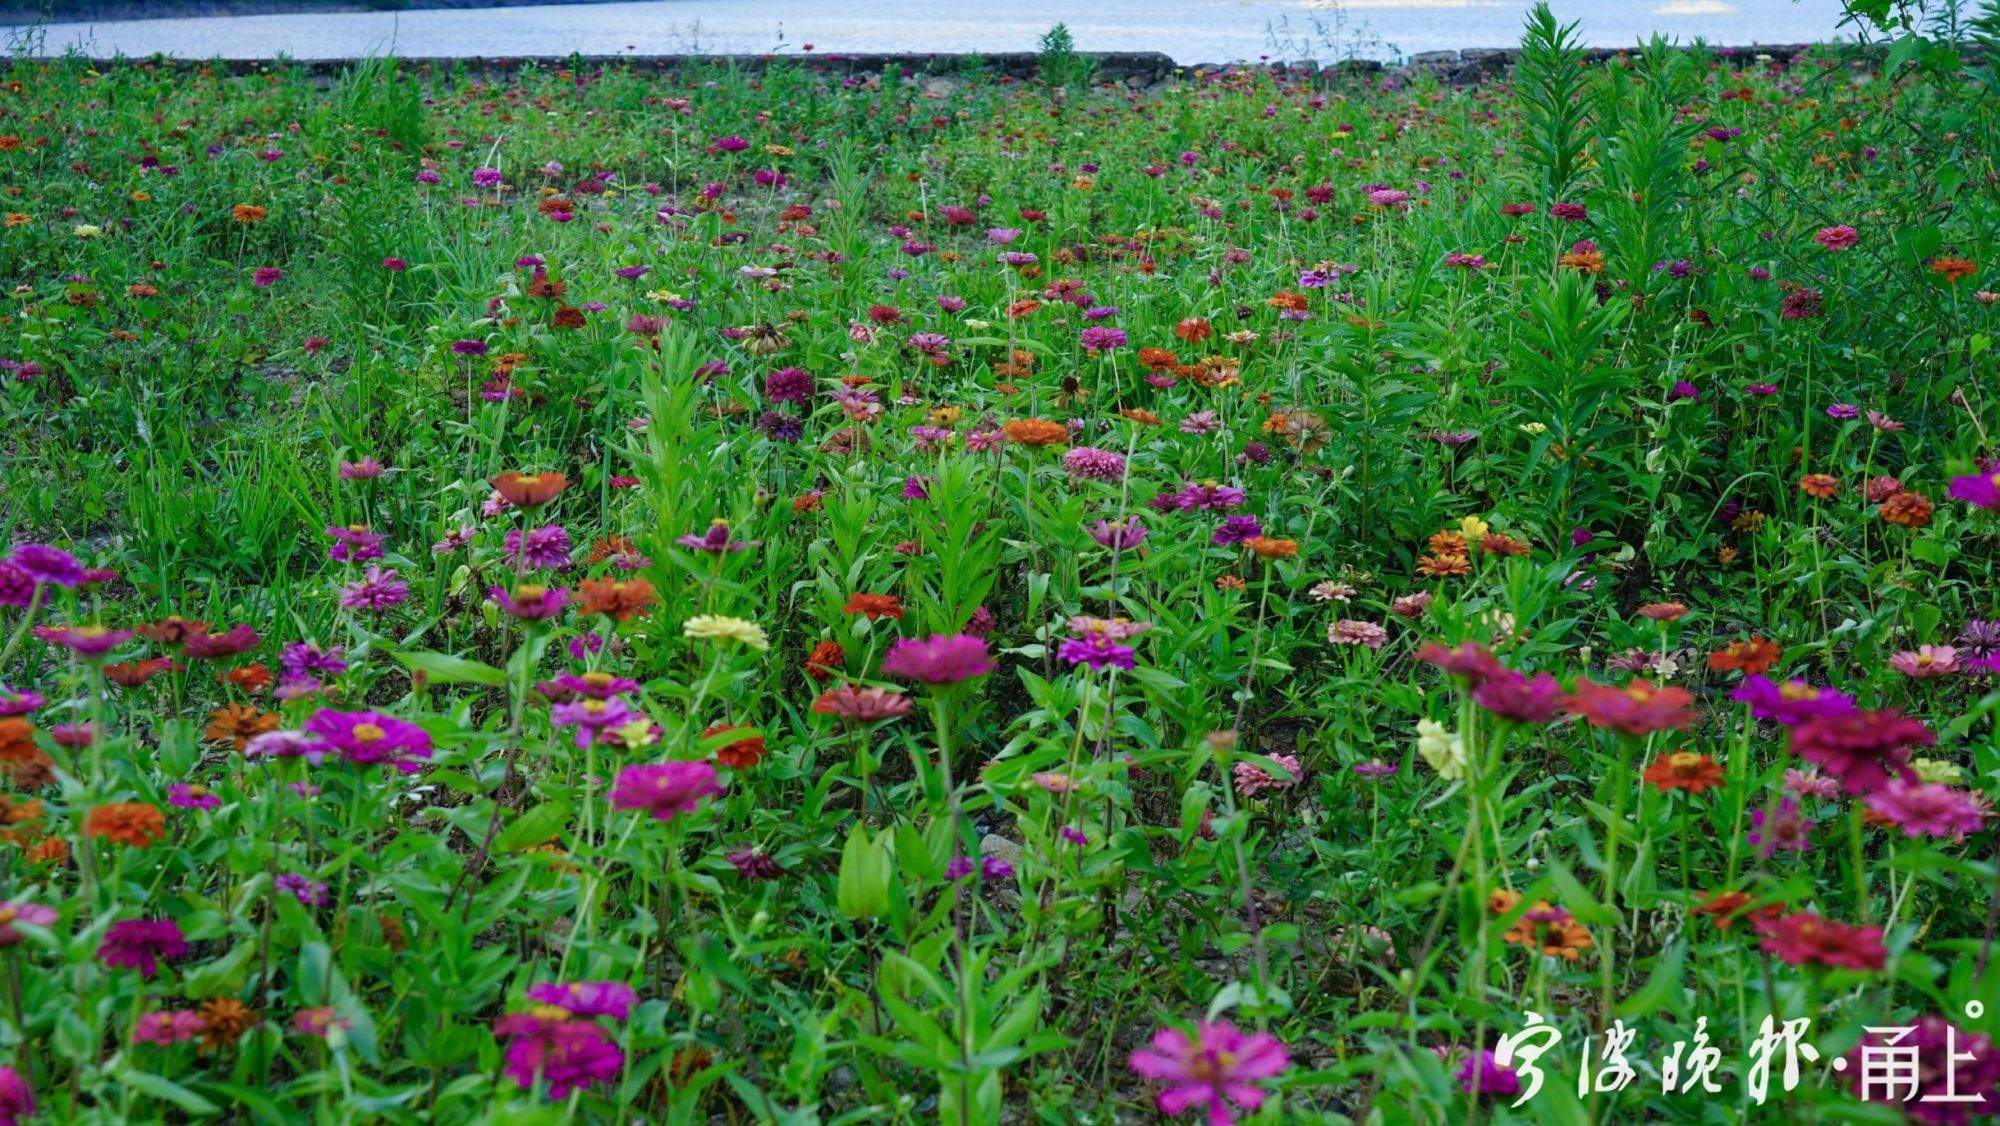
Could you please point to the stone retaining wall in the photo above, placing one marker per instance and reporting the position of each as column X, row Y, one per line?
column 1131, row 69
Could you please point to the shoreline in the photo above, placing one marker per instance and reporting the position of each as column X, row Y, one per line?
column 139, row 11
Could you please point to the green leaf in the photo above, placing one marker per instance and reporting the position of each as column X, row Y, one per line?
column 441, row 668
column 537, row 826
column 1662, row 989
column 166, row 1090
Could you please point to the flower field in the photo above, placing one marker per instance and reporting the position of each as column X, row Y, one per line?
column 582, row 595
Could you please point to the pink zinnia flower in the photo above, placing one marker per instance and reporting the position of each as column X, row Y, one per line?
column 1839, row 238
column 1926, row 661
column 1217, row 1066
column 1091, row 463
column 939, row 659
column 165, row 1028
column 1349, row 631
column 862, row 705
column 33, row 914
column 1252, row 779
column 1930, row 809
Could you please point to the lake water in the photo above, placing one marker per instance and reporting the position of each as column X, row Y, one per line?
column 1189, row 30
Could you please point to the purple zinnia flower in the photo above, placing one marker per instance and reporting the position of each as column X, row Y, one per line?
column 377, row 591
column 141, row 944
column 546, row 546
column 46, row 566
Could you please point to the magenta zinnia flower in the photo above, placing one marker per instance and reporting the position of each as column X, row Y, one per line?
column 1510, row 695
column 367, row 738
column 1792, row 702
column 612, row 999
column 17, row 1102
column 1980, row 489
column 939, row 659
column 1217, row 1066
column 85, row 641
column 142, row 944
column 1958, row 1072
column 665, row 789
column 566, row 1054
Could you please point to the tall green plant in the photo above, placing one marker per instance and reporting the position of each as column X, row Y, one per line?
column 1549, row 81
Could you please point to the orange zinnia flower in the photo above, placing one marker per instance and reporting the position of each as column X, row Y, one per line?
column 875, row 606
column 622, row 600
column 1443, row 566
column 1910, row 510
column 131, row 823
column 1447, row 542
column 530, row 490
column 1549, row 928
column 247, row 213
column 1749, row 657
column 1663, row 611
column 173, row 630
column 1821, row 485
column 1194, row 330
column 1036, row 432
column 1271, row 547
column 1954, row 270
column 1683, row 770
column 237, row 724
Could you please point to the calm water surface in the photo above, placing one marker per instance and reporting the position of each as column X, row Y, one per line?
column 1189, row 30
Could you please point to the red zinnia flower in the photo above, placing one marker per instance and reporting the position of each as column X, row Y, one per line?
column 1806, row 939
column 876, row 606
column 531, row 490
column 740, row 755
column 1861, row 748
column 1684, row 770
column 1636, row 709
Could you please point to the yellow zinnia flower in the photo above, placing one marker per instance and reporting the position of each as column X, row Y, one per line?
column 717, row 627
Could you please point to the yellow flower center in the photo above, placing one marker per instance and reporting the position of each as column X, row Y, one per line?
column 369, row 733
